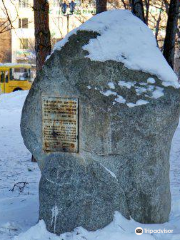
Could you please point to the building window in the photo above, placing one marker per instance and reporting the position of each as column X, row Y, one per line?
column 23, row 43
column 23, row 3
column 23, row 22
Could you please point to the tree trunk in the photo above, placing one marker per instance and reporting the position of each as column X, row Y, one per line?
column 147, row 3
column 42, row 32
column 138, row 10
column 101, row 6
column 42, row 35
column 169, row 42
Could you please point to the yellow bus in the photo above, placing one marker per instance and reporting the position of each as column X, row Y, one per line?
column 14, row 77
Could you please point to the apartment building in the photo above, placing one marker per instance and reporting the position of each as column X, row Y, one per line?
column 5, row 42
column 22, row 34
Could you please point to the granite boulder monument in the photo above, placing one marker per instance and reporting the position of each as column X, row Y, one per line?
column 99, row 119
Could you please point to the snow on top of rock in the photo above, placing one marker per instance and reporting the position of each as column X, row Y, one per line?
column 125, row 38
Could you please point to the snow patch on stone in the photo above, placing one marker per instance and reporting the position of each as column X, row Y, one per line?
column 140, row 90
column 151, row 80
column 159, row 92
column 108, row 93
column 55, row 213
column 120, row 99
column 126, row 84
column 138, row 103
column 112, row 174
column 111, row 85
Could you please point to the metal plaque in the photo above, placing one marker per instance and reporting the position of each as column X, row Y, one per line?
column 60, row 124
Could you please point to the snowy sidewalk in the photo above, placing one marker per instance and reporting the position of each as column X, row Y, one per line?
column 18, row 210
column 19, row 206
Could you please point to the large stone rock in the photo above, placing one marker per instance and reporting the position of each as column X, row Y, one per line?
column 127, row 119
column 80, row 192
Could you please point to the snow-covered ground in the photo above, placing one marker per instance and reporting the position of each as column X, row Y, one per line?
column 18, row 207
column 19, row 179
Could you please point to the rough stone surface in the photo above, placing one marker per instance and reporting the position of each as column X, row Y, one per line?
column 123, row 159
column 83, row 194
